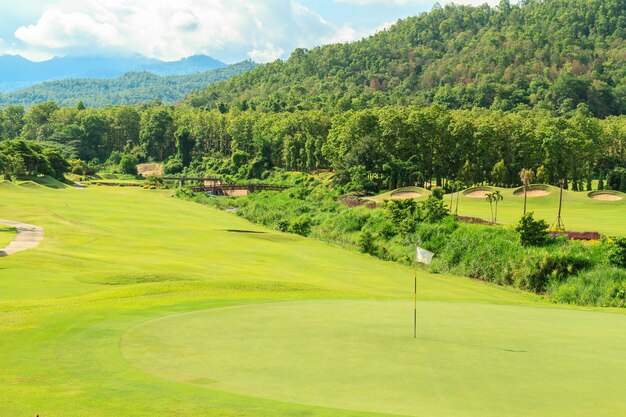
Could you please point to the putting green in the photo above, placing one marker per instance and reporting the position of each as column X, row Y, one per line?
column 469, row 359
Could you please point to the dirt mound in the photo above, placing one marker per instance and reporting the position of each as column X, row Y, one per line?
column 478, row 194
column 607, row 197
column 402, row 195
column 150, row 170
column 533, row 193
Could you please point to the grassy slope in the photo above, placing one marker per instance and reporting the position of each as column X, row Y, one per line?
column 114, row 258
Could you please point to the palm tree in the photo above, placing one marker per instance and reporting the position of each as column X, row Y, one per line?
column 497, row 197
column 526, row 176
column 490, row 197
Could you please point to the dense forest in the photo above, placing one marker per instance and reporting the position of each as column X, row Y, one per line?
column 553, row 55
column 131, row 88
column 370, row 150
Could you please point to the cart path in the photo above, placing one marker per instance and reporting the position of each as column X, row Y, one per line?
column 28, row 237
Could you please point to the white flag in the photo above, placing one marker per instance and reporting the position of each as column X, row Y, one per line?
column 423, row 256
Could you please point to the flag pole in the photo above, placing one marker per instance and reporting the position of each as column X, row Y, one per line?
column 415, row 296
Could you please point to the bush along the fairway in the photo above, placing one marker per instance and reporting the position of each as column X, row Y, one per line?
column 526, row 257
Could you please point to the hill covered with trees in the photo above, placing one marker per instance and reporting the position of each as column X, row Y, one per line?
column 554, row 55
column 130, row 88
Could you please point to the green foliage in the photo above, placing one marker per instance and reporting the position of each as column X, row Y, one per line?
column 500, row 174
column 301, row 225
column 602, row 286
column 561, row 55
column 617, row 251
column 128, row 165
column 532, row 232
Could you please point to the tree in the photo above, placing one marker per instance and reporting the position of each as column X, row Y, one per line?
column 526, row 176
column 532, row 232
column 497, row 197
column 500, row 174
column 155, row 134
column 57, row 163
column 184, row 145
column 490, row 199
column 128, row 165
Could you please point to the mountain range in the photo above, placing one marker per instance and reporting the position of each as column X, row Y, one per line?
column 17, row 72
column 130, row 88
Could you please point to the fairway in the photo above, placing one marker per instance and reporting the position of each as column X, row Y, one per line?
column 469, row 359
column 137, row 304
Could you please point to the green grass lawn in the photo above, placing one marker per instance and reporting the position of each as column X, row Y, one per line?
column 580, row 213
column 139, row 304
column 6, row 235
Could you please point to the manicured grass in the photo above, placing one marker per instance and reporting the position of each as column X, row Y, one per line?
column 580, row 213
column 360, row 355
column 6, row 235
column 115, row 259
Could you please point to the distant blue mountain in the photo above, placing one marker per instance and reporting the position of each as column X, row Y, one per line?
column 17, row 72
column 130, row 88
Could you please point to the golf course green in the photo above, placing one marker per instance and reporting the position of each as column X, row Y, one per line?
column 140, row 304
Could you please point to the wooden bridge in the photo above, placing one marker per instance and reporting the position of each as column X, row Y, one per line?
column 216, row 186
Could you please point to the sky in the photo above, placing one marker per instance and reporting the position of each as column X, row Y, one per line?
column 229, row 30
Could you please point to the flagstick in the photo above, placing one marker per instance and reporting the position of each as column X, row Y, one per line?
column 415, row 300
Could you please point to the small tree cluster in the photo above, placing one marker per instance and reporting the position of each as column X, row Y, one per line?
column 532, row 232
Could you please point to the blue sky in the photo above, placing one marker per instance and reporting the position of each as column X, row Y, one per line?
column 230, row 30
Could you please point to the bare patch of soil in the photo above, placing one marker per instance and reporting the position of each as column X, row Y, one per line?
column 150, row 170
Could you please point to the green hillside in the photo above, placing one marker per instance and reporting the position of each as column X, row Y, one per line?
column 130, row 88
column 548, row 54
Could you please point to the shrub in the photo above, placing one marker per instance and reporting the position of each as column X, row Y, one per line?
column 617, row 251
column 367, row 243
column 532, row 232
column 128, row 165
column 301, row 225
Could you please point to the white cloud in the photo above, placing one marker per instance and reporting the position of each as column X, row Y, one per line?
column 169, row 30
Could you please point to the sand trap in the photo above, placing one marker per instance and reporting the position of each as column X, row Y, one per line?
column 28, row 237
column 607, row 197
column 478, row 194
column 405, row 195
column 533, row 193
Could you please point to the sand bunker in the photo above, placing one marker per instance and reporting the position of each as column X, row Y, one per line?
column 533, row 193
column 607, row 197
column 28, row 237
column 478, row 194
column 405, row 195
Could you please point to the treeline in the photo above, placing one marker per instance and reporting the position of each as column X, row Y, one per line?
column 131, row 88
column 369, row 150
column 554, row 55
